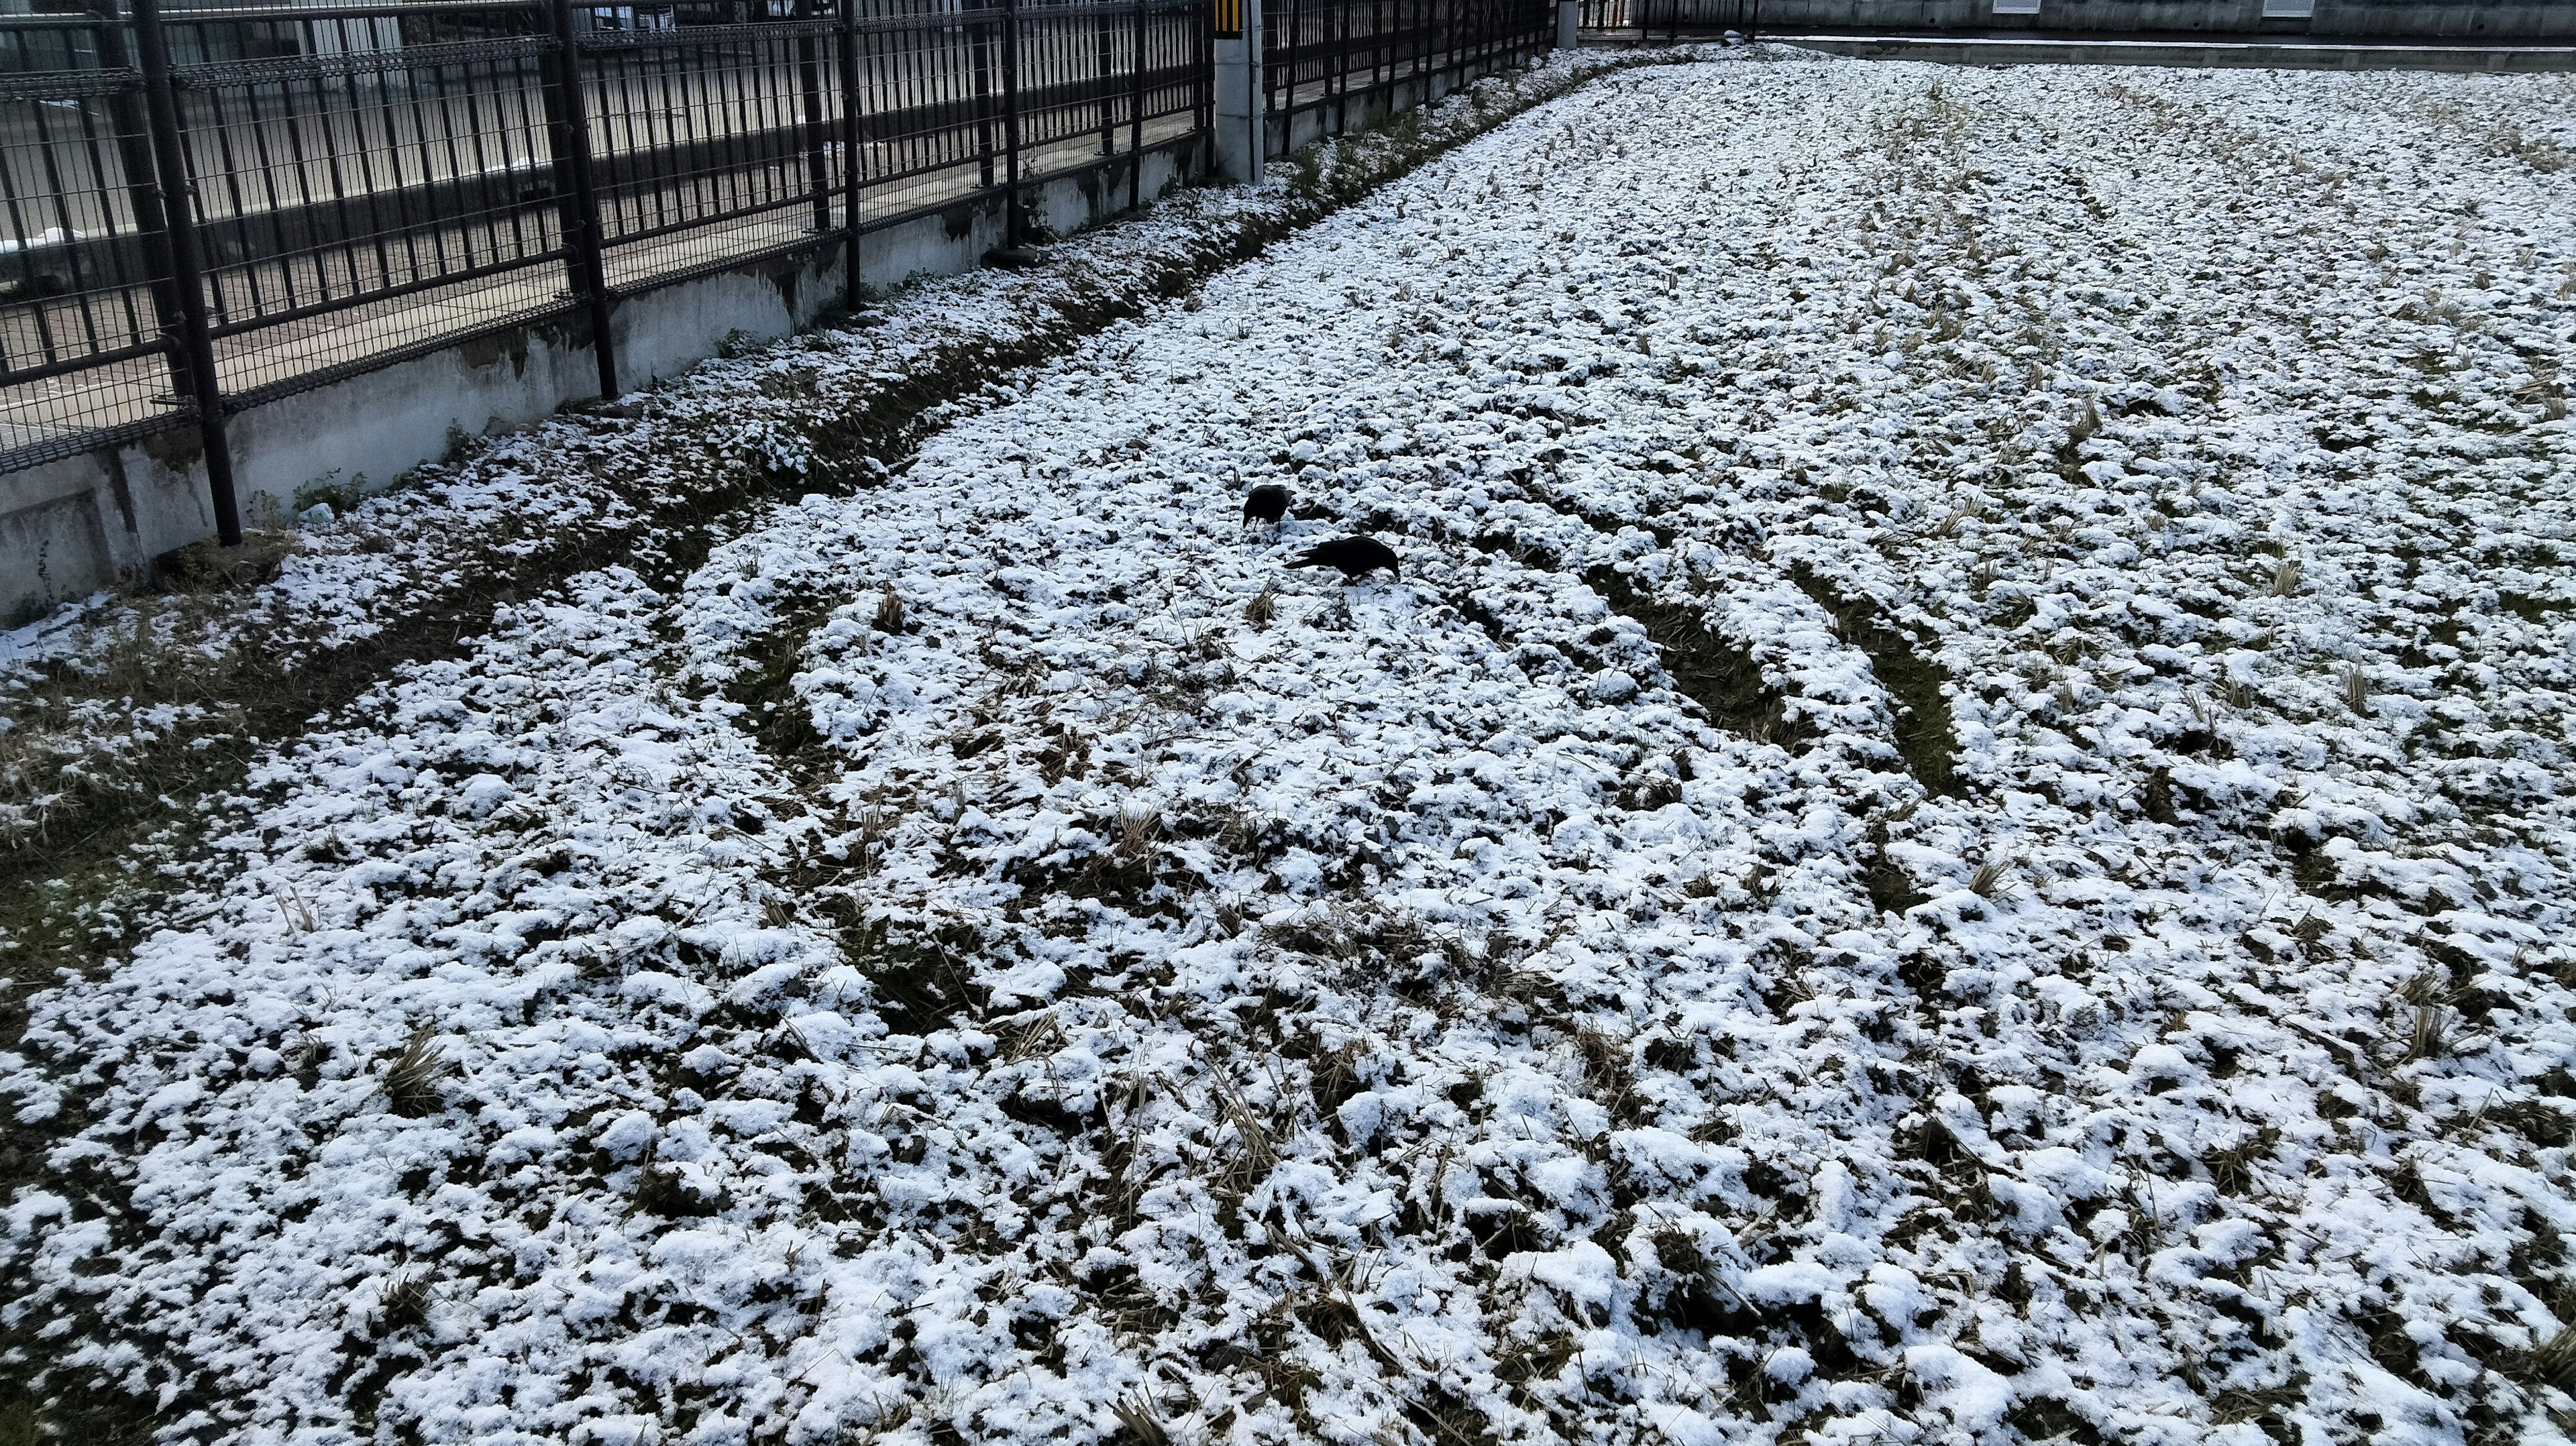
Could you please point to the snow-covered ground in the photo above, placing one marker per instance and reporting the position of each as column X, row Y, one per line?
column 2042, row 906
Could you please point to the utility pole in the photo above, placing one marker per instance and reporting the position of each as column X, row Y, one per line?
column 1238, row 90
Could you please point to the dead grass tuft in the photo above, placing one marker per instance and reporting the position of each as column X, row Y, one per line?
column 2430, row 1036
column 404, row 1302
column 1140, row 828
column 414, row 1081
column 1992, row 880
column 2552, row 1362
column 1137, row 1423
column 1263, row 608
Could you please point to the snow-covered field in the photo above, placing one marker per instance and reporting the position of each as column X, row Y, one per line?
column 1958, row 824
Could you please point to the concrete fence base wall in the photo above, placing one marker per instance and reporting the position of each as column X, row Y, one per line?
column 100, row 518
column 2497, row 20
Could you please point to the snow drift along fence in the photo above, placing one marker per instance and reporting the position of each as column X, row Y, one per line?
column 1343, row 59
column 210, row 209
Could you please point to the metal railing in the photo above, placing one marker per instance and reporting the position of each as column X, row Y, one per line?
column 1339, row 59
column 205, row 210
column 1670, row 18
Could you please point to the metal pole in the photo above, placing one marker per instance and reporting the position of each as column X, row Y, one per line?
column 1011, row 218
column 568, row 134
column 809, row 79
column 1101, row 73
column 1288, row 92
column 1136, row 116
column 850, row 282
column 143, row 187
column 979, row 45
column 196, row 344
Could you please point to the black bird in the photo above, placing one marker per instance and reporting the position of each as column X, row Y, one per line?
column 1355, row 556
column 1265, row 503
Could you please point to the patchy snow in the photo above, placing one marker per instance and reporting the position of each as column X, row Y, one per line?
column 997, row 949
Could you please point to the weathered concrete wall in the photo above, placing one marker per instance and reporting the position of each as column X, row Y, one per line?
column 2412, row 19
column 99, row 519
column 2203, row 52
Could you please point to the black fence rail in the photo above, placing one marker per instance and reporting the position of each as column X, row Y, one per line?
column 210, row 209
column 1338, row 59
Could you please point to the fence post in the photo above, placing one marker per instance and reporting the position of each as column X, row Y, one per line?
column 809, row 80
column 179, row 220
column 1569, row 23
column 979, row 49
column 143, row 187
column 568, row 135
column 1102, row 72
column 1238, row 91
column 1011, row 218
column 1136, row 116
column 1453, row 47
column 850, row 168
column 1288, row 92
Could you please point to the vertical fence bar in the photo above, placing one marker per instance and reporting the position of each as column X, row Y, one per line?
column 1452, row 45
column 980, row 47
column 809, row 80
column 1011, row 218
column 143, row 191
column 850, row 168
column 178, row 209
column 1296, row 73
column 1101, row 73
column 1341, row 77
column 1136, row 115
column 568, row 136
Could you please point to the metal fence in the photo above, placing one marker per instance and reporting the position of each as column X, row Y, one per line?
column 210, row 209
column 1669, row 18
column 1340, row 59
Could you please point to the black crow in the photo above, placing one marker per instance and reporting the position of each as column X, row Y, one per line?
column 1355, row 556
column 1265, row 503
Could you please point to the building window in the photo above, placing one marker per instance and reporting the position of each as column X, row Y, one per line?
column 2020, row 7
column 2289, row 9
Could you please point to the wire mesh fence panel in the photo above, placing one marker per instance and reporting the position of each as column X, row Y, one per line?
column 1332, row 57
column 1090, row 85
column 86, row 285
column 339, row 164
column 714, row 139
column 930, row 106
column 1671, row 17
column 352, row 184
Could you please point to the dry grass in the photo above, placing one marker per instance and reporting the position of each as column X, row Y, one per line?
column 2285, row 577
column 889, row 618
column 1959, row 516
column 1263, row 608
column 2086, row 424
column 1137, row 1421
column 2356, row 689
column 1992, row 880
column 1140, row 828
column 2553, row 1362
column 2430, row 1038
column 404, row 1304
column 413, row 1082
